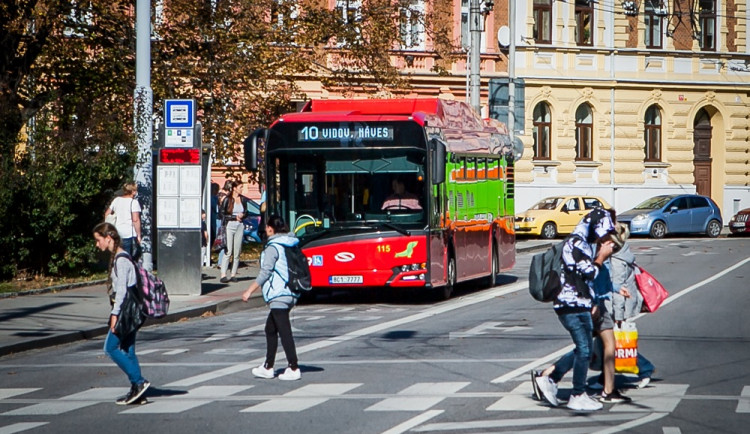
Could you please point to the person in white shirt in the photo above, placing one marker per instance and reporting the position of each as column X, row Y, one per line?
column 127, row 213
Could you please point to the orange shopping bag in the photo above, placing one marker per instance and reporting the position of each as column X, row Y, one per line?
column 626, row 348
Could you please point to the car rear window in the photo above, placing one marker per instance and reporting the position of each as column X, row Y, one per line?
column 698, row 202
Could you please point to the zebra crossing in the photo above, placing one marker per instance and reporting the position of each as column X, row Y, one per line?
column 423, row 401
column 420, row 396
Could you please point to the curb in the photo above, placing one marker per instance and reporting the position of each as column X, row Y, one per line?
column 91, row 333
column 55, row 288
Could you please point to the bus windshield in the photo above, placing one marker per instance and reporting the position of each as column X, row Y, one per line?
column 329, row 189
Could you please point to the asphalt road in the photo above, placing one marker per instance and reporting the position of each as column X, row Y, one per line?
column 375, row 363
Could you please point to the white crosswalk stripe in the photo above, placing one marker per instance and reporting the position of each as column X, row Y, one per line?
column 194, row 398
column 20, row 427
column 419, row 397
column 303, row 398
column 519, row 400
column 743, row 405
column 7, row 393
column 661, row 399
column 68, row 403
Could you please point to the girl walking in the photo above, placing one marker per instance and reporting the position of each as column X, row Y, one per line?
column 272, row 279
column 126, row 317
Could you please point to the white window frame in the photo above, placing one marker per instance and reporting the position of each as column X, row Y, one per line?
column 412, row 32
column 466, row 26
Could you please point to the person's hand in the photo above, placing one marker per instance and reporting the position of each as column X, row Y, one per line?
column 112, row 322
column 595, row 313
column 605, row 251
column 248, row 292
column 624, row 292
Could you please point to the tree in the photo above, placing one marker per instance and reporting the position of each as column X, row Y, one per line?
column 66, row 94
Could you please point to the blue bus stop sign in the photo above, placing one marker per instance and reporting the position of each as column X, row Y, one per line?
column 179, row 113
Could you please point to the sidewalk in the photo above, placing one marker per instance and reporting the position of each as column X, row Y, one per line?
column 58, row 317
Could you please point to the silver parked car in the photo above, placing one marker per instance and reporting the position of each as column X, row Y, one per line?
column 675, row 213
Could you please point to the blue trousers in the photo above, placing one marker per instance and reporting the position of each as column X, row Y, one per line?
column 124, row 359
column 580, row 326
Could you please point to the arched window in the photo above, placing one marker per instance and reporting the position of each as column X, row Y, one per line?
column 652, row 134
column 584, row 22
column 541, row 132
column 543, row 21
column 584, row 133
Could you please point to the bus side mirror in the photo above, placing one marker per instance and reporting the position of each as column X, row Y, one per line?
column 251, row 149
column 438, row 161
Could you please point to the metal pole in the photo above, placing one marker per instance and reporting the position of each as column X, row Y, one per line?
column 143, row 107
column 476, row 40
column 468, row 70
column 512, row 69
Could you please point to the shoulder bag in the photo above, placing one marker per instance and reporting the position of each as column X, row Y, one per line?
column 652, row 291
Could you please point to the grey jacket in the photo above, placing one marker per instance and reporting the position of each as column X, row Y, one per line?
column 623, row 274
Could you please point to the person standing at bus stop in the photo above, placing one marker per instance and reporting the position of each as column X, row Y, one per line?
column 127, row 216
column 574, row 303
column 232, row 212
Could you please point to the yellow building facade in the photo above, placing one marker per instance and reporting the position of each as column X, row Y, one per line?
column 648, row 105
column 622, row 99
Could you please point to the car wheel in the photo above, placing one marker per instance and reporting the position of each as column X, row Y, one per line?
column 658, row 229
column 445, row 292
column 549, row 231
column 713, row 229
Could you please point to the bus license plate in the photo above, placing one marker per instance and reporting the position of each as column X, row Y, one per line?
column 345, row 279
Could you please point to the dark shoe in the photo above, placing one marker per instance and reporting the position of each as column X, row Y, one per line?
column 224, row 279
column 233, row 279
column 139, row 390
column 537, row 393
column 614, row 398
column 123, row 400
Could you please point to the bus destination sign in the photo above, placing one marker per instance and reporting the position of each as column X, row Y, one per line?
column 315, row 133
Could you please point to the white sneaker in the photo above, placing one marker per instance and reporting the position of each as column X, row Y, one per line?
column 643, row 382
column 583, row 402
column 262, row 372
column 291, row 374
column 548, row 388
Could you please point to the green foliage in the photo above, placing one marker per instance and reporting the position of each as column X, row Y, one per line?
column 51, row 203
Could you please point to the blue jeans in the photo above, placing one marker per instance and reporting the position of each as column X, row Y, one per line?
column 645, row 367
column 125, row 360
column 580, row 326
column 128, row 244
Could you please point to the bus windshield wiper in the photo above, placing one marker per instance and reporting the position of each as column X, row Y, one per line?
column 396, row 228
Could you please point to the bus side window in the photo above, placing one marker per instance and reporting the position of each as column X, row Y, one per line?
column 471, row 169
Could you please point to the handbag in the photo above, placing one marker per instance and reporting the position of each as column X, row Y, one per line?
column 652, row 291
column 626, row 348
column 220, row 243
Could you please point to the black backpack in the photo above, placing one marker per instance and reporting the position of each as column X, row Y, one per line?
column 545, row 272
column 298, row 269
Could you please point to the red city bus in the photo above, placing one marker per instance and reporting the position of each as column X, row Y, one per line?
column 398, row 193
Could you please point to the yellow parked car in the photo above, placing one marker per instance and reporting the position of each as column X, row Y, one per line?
column 556, row 215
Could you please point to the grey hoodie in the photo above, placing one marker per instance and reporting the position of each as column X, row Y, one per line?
column 623, row 274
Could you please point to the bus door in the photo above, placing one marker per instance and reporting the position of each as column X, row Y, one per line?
column 438, row 235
